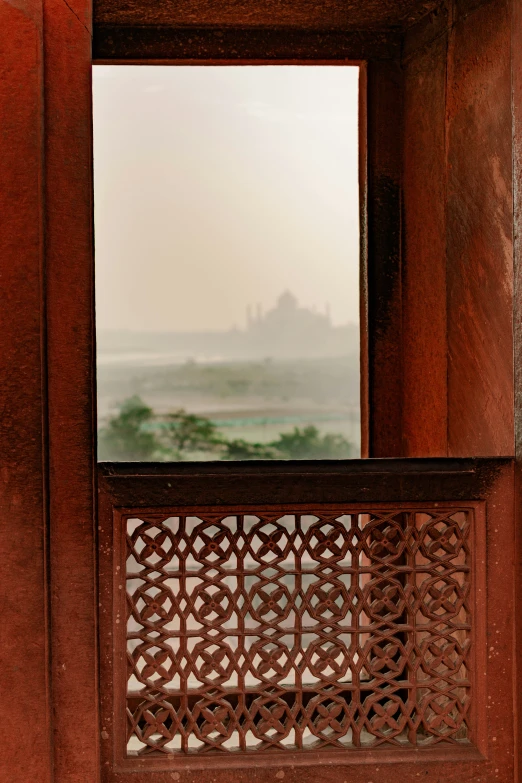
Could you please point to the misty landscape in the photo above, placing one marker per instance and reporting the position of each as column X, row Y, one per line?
column 290, row 368
column 227, row 262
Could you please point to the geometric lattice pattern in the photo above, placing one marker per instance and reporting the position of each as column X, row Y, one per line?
column 298, row 631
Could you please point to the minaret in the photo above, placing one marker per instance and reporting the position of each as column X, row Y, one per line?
column 249, row 317
column 327, row 312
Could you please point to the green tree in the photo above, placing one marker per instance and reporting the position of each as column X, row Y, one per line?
column 127, row 437
column 183, row 433
column 136, row 433
column 242, row 449
column 308, row 443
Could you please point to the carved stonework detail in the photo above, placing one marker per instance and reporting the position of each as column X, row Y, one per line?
column 298, row 631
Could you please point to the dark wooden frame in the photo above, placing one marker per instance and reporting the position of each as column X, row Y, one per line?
column 425, row 369
column 48, row 479
column 127, row 44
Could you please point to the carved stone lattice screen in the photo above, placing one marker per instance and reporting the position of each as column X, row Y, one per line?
column 282, row 629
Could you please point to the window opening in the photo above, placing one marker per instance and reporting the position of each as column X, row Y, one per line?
column 227, row 262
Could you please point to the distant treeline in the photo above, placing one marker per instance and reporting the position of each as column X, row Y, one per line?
column 319, row 381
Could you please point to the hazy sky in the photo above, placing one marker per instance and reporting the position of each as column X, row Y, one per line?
column 218, row 187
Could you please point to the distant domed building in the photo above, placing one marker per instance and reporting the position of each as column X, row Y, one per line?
column 287, row 315
column 288, row 330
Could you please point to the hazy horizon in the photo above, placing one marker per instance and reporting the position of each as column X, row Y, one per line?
column 220, row 187
column 240, row 327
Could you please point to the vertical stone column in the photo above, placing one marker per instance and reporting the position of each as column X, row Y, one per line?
column 71, row 397
column 24, row 659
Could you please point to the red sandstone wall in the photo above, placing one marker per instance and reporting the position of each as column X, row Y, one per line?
column 457, row 271
column 24, row 662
